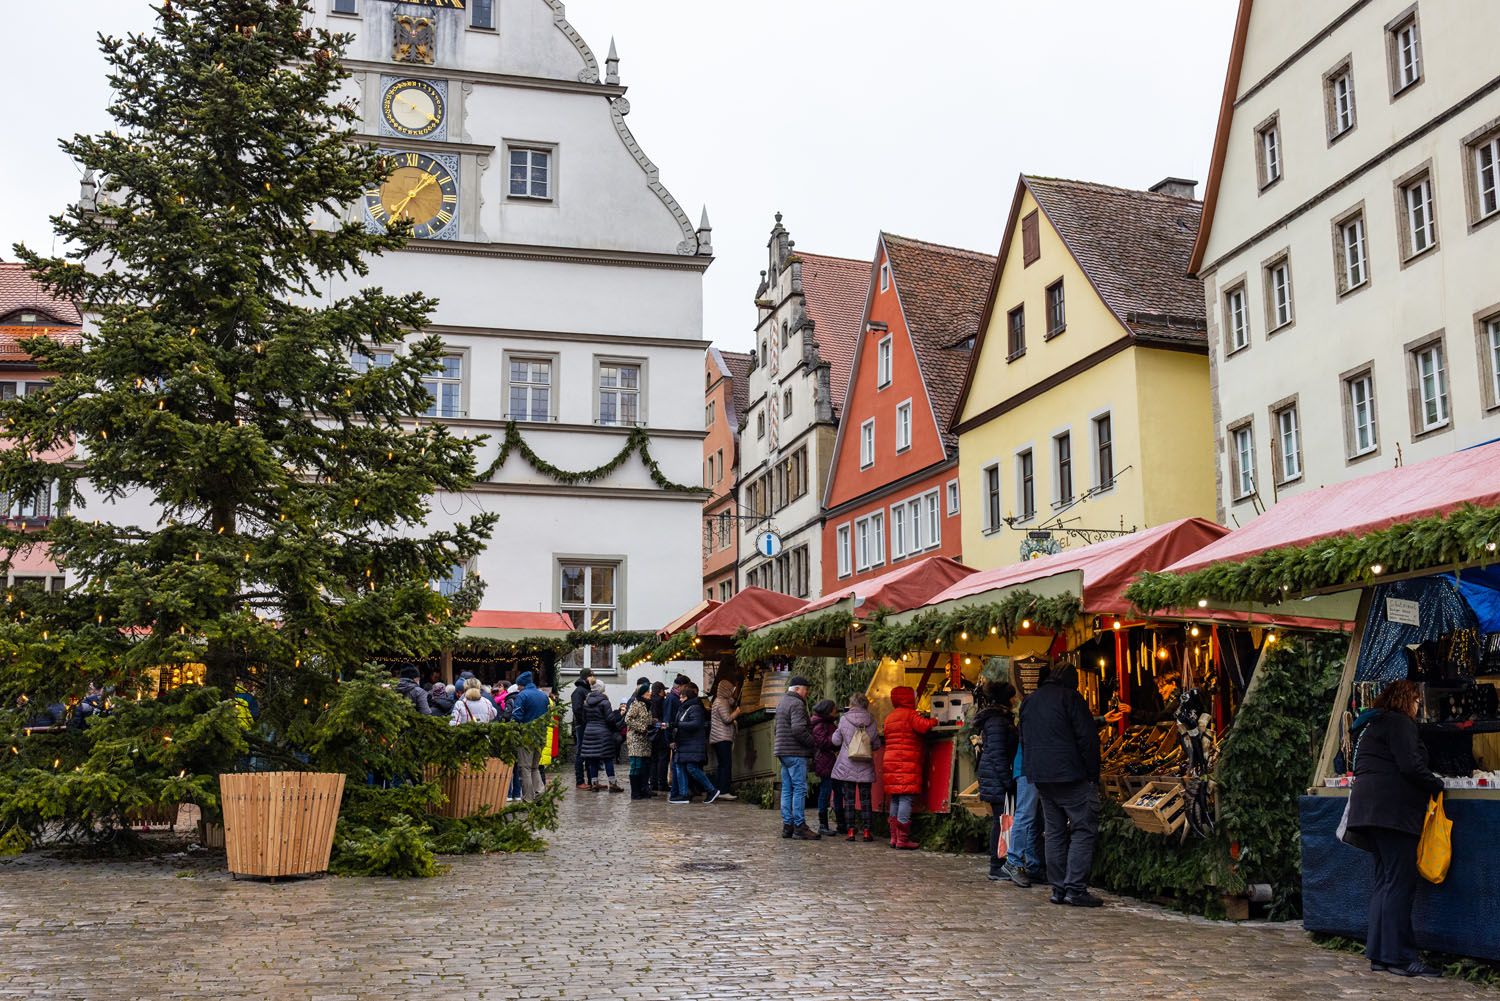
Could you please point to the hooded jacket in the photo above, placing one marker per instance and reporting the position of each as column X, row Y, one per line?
column 601, row 722
column 996, row 728
column 825, row 752
column 1392, row 781
column 793, row 730
column 407, row 688
column 529, row 703
column 1058, row 733
column 692, row 734
column 721, row 725
column 639, row 727
column 580, row 694
column 905, row 750
column 845, row 769
column 441, row 703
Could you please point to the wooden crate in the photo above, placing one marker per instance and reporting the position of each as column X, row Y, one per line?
column 158, row 815
column 969, row 800
column 1159, row 808
column 472, row 790
column 280, row 823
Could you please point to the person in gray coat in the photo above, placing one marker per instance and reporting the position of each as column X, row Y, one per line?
column 410, row 687
column 856, row 776
column 794, row 749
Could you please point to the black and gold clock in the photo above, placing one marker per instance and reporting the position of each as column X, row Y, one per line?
column 413, row 108
column 420, row 188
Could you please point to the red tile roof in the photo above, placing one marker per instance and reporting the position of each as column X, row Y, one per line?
column 738, row 365
column 943, row 291
column 20, row 291
column 1135, row 247
column 541, row 622
column 836, row 290
column 11, row 351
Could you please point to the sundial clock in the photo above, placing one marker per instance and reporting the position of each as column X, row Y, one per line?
column 413, row 108
column 421, row 189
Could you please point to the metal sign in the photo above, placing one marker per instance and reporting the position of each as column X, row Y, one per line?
column 768, row 544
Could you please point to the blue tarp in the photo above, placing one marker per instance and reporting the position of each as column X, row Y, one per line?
column 1481, row 590
column 1382, row 653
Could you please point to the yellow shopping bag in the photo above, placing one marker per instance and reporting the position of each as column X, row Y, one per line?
column 1435, row 850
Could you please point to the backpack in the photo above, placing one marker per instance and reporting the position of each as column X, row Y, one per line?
column 860, row 747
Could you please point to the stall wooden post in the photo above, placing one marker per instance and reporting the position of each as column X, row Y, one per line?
column 445, row 664
column 1122, row 677
column 1332, row 735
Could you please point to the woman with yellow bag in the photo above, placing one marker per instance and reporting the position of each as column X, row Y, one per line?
column 1388, row 806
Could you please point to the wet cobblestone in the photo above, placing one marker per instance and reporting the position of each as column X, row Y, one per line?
column 611, row 912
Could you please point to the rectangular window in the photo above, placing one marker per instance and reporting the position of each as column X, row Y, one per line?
column 708, row 413
column 902, row 531
column 346, row 6
column 1354, row 262
column 1492, row 344
column 726, row 530
column 786, row 403
column 1268, row 148
column 1026, row 484
column 1243, row 472
column 1031, row 241
column 450, row 584
column 952, row 497
column 1421, row 226
column 903, row 426
column 587, row 595
column 1279, row 293
column 1338, row 87
column 1062, row 449
column 885, row 276
column 1104, row 452
column 841, row 543
column 1288, row 444
column 446, row 387
column 481, row 13
column 1431, row 387
column 867, row 444
column 1404, row 51
column 33, row 504
column 364, row 360
column 530, row 173
column 869, row 542
column 1359, row 409
column 1236, row 322
column 933, row 529
column 883, row 363
column 992, row 498
column 619, row 394
column 1487, row 177
column 1016, row 345
column 1057, row 318
column 530, row 389
column 760, row 424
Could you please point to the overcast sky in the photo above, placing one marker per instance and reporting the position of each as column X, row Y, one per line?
column 849, row 116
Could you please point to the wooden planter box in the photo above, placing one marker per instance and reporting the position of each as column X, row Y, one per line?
column 472, row 790
column 154, row 816
column 210, row 835
column 280, row 823
column 1159, row 808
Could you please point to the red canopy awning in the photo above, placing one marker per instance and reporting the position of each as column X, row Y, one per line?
column 748, row 609
column 536, row 622
column 1106, row 568
column 1361, row 506
column 896, row 590
column 687, row 618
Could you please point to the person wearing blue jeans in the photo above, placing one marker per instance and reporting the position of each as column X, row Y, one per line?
column 1021, row 863
column 794, row 748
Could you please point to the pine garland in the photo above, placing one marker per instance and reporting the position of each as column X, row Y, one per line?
column 1007, row 618
column 683, row 645
column 638, row 443
column 793, row 637
column 1466, row 535
column 482, row 647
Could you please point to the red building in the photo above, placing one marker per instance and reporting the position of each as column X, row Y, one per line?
column 726, row 398
column 893, row 490
column 29, row 310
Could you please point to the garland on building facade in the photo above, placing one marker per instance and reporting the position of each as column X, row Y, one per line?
column 1463, row 536
column 1019, row 612
column 476, row 648
column 638, row 443
column 683, row 645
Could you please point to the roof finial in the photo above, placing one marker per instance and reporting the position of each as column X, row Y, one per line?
column 705, row 235
column 612, row 66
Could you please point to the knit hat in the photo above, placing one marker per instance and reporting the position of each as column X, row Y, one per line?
column 682, row 679
column 823, row 708
column 410, row 671
column 598, row 686
column 643, row 681
column 641, row 688
column 798, row 682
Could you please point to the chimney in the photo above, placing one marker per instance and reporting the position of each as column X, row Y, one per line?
column 1176, row 187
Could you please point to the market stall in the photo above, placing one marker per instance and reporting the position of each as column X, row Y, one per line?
column 1410, row 555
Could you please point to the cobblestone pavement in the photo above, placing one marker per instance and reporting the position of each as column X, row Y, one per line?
column 610, row 912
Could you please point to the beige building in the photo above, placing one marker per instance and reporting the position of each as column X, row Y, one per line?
column 1350, row 244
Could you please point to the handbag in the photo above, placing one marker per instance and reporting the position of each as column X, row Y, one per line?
column 861, row 748
column 1007, row 821
column 1435, row 850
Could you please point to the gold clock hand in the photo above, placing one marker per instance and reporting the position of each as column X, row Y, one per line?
column 429, row 179
column 418, row 110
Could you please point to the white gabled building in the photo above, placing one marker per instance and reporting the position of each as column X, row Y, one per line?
column 1350, row 244
column 569, row 284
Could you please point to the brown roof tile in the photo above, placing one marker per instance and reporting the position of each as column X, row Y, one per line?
column 19, row 290
column 12, row 353
column 943, row 291
column 836, row 290
column 736, row 365
column 1134, row 246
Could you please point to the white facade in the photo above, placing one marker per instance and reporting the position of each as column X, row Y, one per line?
column 1351, row 248
column 588, row 273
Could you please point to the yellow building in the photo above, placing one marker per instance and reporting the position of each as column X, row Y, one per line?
column 1086, row 408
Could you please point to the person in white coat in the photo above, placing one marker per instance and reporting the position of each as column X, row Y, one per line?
column 473, row 707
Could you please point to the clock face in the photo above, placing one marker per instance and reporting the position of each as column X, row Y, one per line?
column 413, row 108
column 420, row 189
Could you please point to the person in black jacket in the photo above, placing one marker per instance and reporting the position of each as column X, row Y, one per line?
column 995, row 730
column 691, row 752
column 410, row 686
column 581, row 689
column 597, row 743
column 661, row 738
column 1387, row 808
column 1062, row 761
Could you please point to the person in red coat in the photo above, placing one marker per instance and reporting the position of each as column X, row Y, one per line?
column 902, row 766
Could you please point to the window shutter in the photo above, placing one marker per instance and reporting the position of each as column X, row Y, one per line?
column 1031, row 247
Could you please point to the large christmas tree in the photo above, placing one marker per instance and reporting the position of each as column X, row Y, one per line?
column 236, row 490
